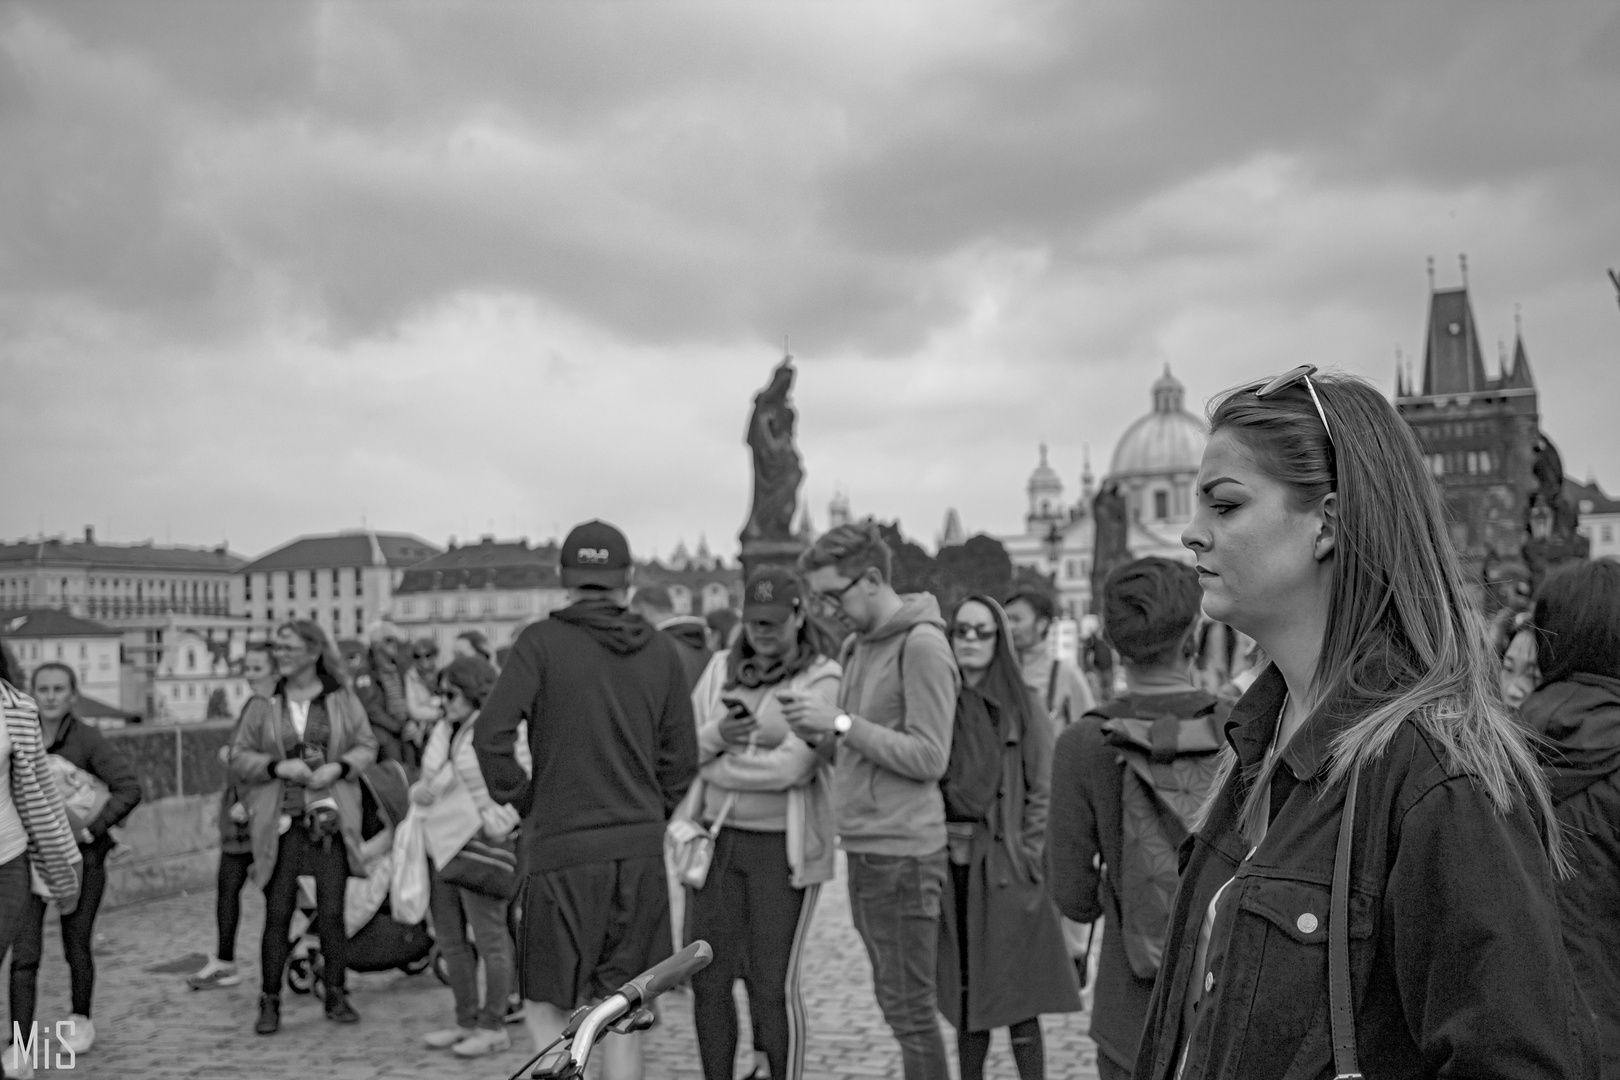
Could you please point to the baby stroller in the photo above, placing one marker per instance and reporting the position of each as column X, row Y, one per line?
column 381, row 944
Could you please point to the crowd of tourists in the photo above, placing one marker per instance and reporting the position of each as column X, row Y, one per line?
column 1387, row 848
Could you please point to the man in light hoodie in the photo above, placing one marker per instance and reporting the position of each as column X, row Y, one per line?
column 890, row 733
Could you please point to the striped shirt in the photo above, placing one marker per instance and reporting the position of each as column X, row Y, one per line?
column 52, row 850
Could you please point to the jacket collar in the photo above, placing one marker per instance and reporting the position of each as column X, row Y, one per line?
column 1253, row 725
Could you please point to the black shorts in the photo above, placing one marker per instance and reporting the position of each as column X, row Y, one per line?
column 589, row 929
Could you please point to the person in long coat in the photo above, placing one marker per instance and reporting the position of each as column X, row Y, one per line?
column 1002, row 958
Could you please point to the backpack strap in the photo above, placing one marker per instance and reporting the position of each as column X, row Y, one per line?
column 1051, row 686
column 1341, row 1014
column 900, row 666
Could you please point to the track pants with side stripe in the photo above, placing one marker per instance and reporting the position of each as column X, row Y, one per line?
column 756, row 923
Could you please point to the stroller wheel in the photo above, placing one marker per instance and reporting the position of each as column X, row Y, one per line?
column 441, row 967
column 300, row 974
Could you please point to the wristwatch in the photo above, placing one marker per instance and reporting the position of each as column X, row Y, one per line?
column 842, row 723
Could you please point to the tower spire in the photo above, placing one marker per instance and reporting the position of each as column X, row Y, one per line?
column 1462, row 260
column 1431, row 273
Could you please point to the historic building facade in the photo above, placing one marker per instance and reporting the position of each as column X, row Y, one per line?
column 1153, row 467
column 496, row 587
column 1478, row 433
column 341, row 580
column 38, row 636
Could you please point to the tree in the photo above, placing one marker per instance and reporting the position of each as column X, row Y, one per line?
column 219, row 706
column 978, row 565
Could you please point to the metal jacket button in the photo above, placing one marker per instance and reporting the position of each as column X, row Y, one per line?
column 1209, row 982
column 1307, row 923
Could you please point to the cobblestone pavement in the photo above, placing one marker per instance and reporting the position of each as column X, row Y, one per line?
column 151, row 1026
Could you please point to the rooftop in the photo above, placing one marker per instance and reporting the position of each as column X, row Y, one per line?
column 488, row 564
column 50, row 623
column 1588, row 498
column 146, row 556
column 359, row 548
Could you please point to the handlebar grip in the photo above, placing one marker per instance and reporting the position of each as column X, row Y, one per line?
column 677, row 969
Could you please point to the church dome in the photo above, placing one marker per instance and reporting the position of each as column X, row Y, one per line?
column 1045, row 480
column 1167, row 440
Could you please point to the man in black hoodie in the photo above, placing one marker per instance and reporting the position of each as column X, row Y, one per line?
column 614, row 749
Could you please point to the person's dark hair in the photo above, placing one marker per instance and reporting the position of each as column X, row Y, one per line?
column 478, row 641
column 1577, row 621
column 9, row 671
column 1148, row 606
column 472, row 675
column 1003, row 680
column 654, row 596
column 55, row 665
column 721, row 621
column 329, row 665
column 1405, row 639
column 853, row 549
column 1043, row 604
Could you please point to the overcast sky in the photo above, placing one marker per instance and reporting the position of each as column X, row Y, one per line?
column 268, row 269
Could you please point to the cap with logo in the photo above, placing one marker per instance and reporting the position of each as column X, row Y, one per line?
column 595, row 554
column 773, row 593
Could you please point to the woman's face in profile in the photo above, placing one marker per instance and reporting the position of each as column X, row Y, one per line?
column 1520, row 670
column 1257, row 553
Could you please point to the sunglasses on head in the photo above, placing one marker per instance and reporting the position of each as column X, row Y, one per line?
column 966, row 631
column 1302, row 374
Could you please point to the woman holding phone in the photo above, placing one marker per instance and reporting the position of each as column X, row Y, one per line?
column 768, row 793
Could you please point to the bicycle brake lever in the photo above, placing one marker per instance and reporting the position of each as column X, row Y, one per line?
column 640, row 1020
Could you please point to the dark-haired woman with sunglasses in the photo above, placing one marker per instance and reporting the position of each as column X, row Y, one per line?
column 1002, row 957
column 456, row 804
column 298, row 757
column 1431, row 947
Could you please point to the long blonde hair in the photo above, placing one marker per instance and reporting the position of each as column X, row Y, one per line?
column 1405, row 639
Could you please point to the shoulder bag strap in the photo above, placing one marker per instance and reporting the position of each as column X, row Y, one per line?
column 1341, row 1013
column 1051, row 685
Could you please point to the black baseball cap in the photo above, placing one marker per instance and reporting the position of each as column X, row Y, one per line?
column 773, row 593
column 595, row 554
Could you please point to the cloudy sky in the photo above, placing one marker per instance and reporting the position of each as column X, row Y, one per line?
column 268, row 269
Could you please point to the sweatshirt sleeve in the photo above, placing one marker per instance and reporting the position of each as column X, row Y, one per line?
column 363, row 754
column 677, row 737
column 1037, row 753
column 111, row 765
column 1472, row 912
column 920, row 750
column 495, row 733
column 1071, row 839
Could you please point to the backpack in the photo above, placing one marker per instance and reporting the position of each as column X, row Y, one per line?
column 1169, row 764
column 973, row 771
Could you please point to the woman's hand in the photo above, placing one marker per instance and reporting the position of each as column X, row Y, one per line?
column 738, row 727
column 325, row 776
column 239, row 813
column 293, row 771
column 421, row 796
column 225, row 754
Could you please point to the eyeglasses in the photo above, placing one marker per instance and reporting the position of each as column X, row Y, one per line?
column 829, row 602
column 966, row 631
column 1303, row 374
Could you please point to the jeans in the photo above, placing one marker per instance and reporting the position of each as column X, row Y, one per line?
column 894, row 902
column 454, row 909
column 234, row 870
column 78, row 930
column 328, row 864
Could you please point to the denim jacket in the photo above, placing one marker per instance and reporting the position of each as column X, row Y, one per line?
column 1457, row 966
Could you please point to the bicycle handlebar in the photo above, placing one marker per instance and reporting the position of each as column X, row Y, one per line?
column 677, row 969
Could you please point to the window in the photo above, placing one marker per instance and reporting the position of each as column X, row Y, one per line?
column 1161, row 505
column 247, row 588
column 1071, row 568
column 1607, row 532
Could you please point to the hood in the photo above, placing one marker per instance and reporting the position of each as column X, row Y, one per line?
column 1577, row 723
column 613, row 627
column 687, row 630
column 916, row 609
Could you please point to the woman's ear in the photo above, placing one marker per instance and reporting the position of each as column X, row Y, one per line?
column 1327, row 535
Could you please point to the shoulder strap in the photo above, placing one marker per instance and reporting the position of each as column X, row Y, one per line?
column 900, row 668
column 1051, row 685
column 1341, row 1014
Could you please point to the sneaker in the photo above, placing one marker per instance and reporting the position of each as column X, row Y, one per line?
column 445, row 1038
column 14, row 1064
column 338, row 1009
column 214, row 973
column 481, row 1042
column 269, row 1015
column 515, row 1011
column 83, row 1036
